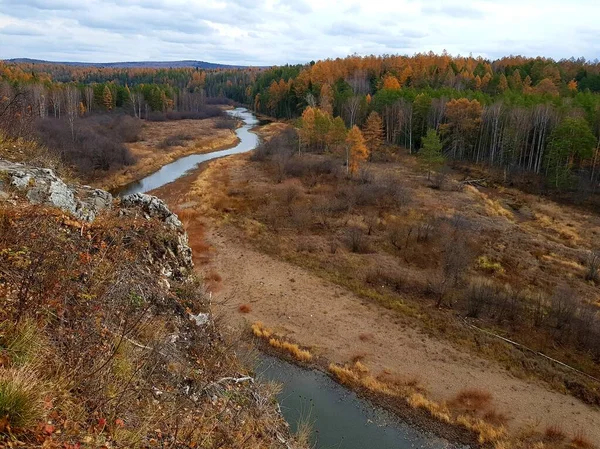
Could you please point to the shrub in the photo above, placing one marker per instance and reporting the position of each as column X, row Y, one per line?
column 593, row 266
column 203, row 112
column 97, row 142
column 177, row 140
column 472, row 400
column 245, row 308
column 490, row 266
column 225, row 122
column 554, row 433
column 356, row 239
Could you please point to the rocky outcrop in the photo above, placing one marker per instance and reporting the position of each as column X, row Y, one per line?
column 153, row 207
column 42, row 186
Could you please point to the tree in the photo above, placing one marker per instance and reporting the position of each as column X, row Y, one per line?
column 373, row 132
column 431, row 152
column 547, row 87
column 390, row 82
column 464, row 118
column 72, row 100
column 107, row 98
column 337, row 134
column 421, row 109
column 307, row 128
column 570, row 140
column 357, row 151
column 503, row 83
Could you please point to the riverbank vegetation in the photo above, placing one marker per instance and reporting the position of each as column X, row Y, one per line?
column 465, row 261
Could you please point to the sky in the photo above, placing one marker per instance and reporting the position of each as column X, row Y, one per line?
column 276, row 32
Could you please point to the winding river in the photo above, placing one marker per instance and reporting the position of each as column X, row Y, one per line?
column 338, row 417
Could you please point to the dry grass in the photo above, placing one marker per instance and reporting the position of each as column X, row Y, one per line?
column 486, row 432
column 21, row 399
column 461, row 412
column 555, row 433
column 472, row 400
column 259, row 330
column 292, row 348
column 581, row 441
column 99, row 358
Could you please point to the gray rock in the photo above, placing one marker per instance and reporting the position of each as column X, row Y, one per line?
column 156, row 208
column 42, row 186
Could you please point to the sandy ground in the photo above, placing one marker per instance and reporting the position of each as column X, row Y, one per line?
column 203, row 135
column 330, row 320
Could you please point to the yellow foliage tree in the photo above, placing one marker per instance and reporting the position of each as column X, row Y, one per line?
column 326, row 99
column 307, row 127
column 357, row 151
column 107, row 98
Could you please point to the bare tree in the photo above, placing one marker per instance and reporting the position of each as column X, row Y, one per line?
column 350, row 109
column 89, row 98
column 56, row 100
column 72, row 99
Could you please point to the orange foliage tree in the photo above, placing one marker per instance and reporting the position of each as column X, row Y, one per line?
column 357, row 151
column 373, row 132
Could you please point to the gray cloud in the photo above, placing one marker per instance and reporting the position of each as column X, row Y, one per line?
column 264, row 32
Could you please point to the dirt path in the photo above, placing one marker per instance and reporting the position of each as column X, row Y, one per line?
column 338, row 325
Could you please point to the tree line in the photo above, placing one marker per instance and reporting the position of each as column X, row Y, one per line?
column 525, row 116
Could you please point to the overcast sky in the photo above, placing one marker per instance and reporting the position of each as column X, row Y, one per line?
column 266, row 32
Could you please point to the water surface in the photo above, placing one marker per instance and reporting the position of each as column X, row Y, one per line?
column 170, row 172
column 339, row 418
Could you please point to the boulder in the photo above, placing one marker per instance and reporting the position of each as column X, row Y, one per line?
column 42, row 186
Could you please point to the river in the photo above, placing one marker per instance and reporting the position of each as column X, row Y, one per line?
column 338, row 417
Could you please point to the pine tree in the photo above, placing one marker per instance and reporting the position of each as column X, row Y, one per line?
column 107, row 99
column 431, row 152
column 373, row 132
column 357, row 151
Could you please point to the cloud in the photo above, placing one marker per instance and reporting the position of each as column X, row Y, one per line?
column 455, row 11
column 20, row 30
column 264, row 32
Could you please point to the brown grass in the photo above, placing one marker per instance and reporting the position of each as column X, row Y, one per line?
column 554, row 433
column 581, row 441
column 365, row 336
column 245, row 308
column 472, row 400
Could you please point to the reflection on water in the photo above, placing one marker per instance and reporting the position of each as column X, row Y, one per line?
column 339, row 418
column 170, row 172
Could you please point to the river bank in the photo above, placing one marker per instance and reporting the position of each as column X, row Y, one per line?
column 337, row 325
column 164, row 142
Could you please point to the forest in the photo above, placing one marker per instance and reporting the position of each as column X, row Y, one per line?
column 534, row 119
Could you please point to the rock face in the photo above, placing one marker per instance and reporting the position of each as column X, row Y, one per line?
column 42, row 186
column 154, row 207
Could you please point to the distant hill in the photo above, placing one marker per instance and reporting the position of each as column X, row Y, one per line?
column 133, row 64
